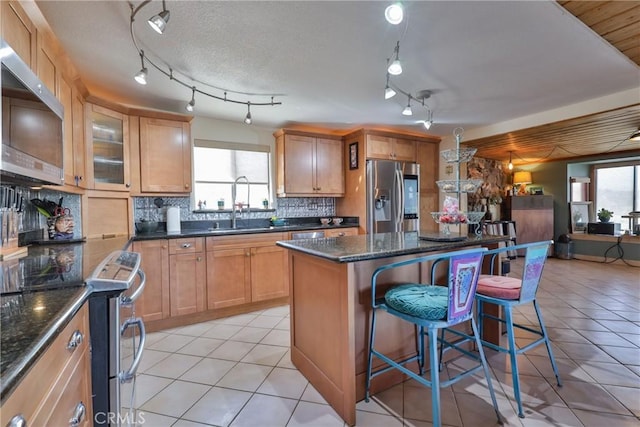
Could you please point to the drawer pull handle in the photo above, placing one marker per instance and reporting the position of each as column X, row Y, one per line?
column 17, row 421
column 78, row 415
column 340, row 234
column 75, row 340
column 186, row 245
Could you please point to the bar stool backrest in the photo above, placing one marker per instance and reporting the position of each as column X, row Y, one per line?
column 535, row 258
column 464, row 270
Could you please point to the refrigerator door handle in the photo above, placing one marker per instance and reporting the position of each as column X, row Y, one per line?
column 399, row 199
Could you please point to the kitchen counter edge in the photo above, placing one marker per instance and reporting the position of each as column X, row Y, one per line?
column 381, row 245
column 237, row 231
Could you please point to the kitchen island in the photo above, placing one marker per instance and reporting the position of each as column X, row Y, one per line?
column 330, row 301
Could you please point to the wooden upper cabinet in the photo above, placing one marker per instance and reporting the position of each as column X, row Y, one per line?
column 107, row 147
column 77, row 117
column 389, row 148
column 309, row 165
column 165, row 156
column 65, row 94
column 329, row 166
column 47, row 69
column 19, row 32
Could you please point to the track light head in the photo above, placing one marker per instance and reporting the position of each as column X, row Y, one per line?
column 389, row 92
column 192, row 103
column 407, row 110
column 394, row 13
column 395, row 68
column 427, row 124
column 141, row 76
column 247, row 118
column 159, row 22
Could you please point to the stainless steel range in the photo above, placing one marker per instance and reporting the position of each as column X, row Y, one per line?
column 112, row 320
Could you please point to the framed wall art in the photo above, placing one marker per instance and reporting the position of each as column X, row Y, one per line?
column 353, row 155
column 581, row 214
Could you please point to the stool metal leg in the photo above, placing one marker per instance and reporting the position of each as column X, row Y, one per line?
column 514, row 359
column 370, row 362
column 435, row 377
column 485, row 367
column 547, row 343
column 421, row 349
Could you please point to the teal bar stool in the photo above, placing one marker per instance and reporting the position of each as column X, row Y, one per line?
column 431, row 308
column 510, row 292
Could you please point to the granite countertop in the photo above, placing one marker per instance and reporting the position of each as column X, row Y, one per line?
column 207, row 228
column 35, row 312
column 380, row 245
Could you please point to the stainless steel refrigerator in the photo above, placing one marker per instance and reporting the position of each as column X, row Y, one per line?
column 393, row 196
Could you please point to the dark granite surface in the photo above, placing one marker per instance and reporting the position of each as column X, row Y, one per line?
column 253, row 226
column 44, row 301
column 380, row 245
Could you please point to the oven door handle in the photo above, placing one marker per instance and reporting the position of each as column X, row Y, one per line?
column 127, row 301
column 127, row 376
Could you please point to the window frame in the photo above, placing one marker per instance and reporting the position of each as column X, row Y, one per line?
column 234, row 146
column 635, row 202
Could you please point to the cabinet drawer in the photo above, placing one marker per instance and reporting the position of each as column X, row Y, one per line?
column 42, row 381
column 69, row 398
column 188, row 245
column 244, row 240
column 339, row 232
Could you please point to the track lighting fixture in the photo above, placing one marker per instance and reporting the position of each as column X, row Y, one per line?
column 395, row 68
column 407, row 110
column 159, row 22
column 388, row 90
column 192, row 103
column 635, row 136
column 394, row 13
column 510, row 166
column 247, row 119
column 141, row 76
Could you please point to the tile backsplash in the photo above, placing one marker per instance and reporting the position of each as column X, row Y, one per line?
column 31, row 219
column 145, row 208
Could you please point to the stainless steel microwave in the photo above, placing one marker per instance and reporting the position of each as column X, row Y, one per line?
column 32, row 125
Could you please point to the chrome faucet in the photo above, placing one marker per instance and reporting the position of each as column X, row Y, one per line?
column 233, row 199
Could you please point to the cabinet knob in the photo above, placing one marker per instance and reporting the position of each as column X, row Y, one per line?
column 78, row 415
column 340, row 234
column 247, row 254
column 186, row 186
column 186, row 245
column 17, row 421
column 199, row 259
column 128, row 185
column 75, row 340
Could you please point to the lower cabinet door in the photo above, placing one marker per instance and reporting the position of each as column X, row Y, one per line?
column 153, row 304
column 269, row 273
column 187, row 283
column 228, row 277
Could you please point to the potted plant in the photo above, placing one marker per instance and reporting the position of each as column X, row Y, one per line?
column 265, row 204
column 604, row 215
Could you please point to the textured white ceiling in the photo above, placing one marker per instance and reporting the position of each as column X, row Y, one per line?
column 486, row 62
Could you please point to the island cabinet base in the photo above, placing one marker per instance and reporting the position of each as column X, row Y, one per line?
column 330, row 326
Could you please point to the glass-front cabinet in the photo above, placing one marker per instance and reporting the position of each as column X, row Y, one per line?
column 108, row 150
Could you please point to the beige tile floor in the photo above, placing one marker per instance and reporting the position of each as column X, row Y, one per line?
column 236, row 371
